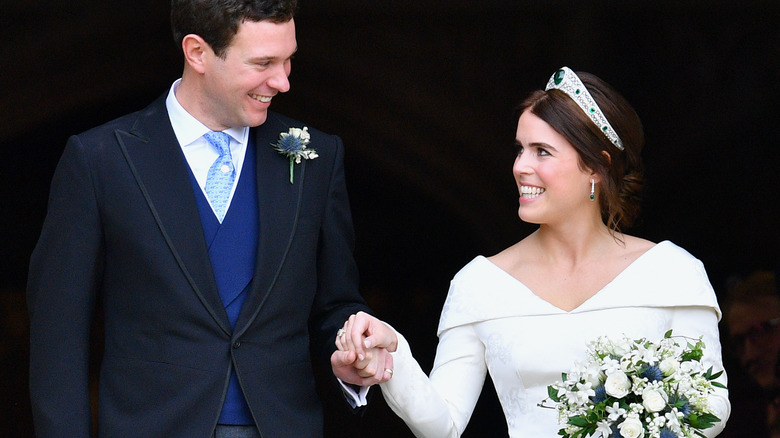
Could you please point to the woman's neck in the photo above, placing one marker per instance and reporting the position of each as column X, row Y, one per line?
column 574, row 243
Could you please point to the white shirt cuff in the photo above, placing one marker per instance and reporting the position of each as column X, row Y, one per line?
column 355, row 399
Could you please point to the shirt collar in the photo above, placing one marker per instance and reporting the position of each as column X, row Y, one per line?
column 187, row 128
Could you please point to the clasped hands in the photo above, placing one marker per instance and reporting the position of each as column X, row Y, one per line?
column 364, row 346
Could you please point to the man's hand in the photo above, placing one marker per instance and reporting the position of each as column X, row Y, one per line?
column 363, row 356
column 376, row 367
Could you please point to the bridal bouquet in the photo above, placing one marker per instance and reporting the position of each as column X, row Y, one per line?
column 636, row 389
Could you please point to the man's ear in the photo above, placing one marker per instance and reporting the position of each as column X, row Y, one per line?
column 195, row 48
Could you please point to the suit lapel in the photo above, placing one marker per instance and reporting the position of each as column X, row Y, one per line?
column 158, row 164
column 279, row 203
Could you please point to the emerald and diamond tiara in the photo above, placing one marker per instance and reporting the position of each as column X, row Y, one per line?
column 567, row 81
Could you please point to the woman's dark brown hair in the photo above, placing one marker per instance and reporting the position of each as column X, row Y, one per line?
column 621, row 171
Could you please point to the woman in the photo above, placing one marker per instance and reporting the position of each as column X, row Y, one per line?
column 526, row 314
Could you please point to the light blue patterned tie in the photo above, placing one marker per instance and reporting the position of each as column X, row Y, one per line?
column 222, row 173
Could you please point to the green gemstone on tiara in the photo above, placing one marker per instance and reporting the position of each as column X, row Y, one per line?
column 565, row 80
column 558, row 77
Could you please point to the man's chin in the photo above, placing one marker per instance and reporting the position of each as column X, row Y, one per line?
column 258, row 120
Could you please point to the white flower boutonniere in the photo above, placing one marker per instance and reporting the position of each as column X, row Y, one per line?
column 293, row 144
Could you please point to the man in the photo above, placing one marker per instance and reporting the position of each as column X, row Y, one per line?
column 217, row 261
column 751, row 311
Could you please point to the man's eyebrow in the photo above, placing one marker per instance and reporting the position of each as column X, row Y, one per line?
column 262, row 58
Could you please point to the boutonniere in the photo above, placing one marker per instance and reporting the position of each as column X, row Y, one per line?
column 293, row 144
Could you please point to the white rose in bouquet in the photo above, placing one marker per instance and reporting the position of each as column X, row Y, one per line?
column 653, row 400
column 668, row 366
column 632, row 428
column 618, row 384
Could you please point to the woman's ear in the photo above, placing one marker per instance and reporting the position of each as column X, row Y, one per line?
column 608, row 158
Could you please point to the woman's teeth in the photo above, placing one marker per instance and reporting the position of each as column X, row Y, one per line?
column 530, row 192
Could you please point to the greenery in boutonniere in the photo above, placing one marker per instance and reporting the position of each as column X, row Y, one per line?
column 294, row 145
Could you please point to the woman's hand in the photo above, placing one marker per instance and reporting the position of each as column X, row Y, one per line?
column 363, row 331
column 363, row 345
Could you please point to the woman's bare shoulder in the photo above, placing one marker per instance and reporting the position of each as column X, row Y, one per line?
column 633, row 248
column 516, row 253
column 633, row 243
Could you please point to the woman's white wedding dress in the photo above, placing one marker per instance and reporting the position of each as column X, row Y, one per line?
column 491, row 322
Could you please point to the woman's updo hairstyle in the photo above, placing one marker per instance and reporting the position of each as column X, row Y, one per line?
column 620, row 170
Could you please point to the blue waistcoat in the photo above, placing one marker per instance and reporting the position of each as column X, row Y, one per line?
column 232, row 249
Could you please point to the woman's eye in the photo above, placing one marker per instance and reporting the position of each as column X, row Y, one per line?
column 542, row 152
column 518, row 149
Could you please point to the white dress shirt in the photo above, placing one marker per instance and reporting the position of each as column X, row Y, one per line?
column 198, row 152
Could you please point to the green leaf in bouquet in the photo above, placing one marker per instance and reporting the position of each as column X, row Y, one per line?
column 553, row 394
column 692, row 355
column 703, row 421
column 709, row 376
column 578, row 421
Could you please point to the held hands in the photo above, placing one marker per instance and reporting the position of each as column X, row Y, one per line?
column 363, row 345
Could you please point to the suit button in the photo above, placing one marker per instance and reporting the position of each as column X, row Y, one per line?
column 236, row 345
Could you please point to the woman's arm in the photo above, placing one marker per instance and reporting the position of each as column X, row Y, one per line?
column 439, row 406
column 703, row 321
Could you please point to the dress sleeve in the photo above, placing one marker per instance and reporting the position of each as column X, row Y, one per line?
column 439, row 406
column 703, row 321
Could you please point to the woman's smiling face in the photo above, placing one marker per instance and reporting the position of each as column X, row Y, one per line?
column 552, row 183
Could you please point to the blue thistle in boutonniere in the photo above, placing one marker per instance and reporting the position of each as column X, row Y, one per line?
column 293, row 144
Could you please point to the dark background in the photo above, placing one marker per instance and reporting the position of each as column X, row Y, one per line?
column 422, row 93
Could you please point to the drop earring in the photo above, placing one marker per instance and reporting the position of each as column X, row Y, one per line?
column 592, row 189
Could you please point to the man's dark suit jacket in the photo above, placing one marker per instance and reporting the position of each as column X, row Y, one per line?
column 123, row 231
